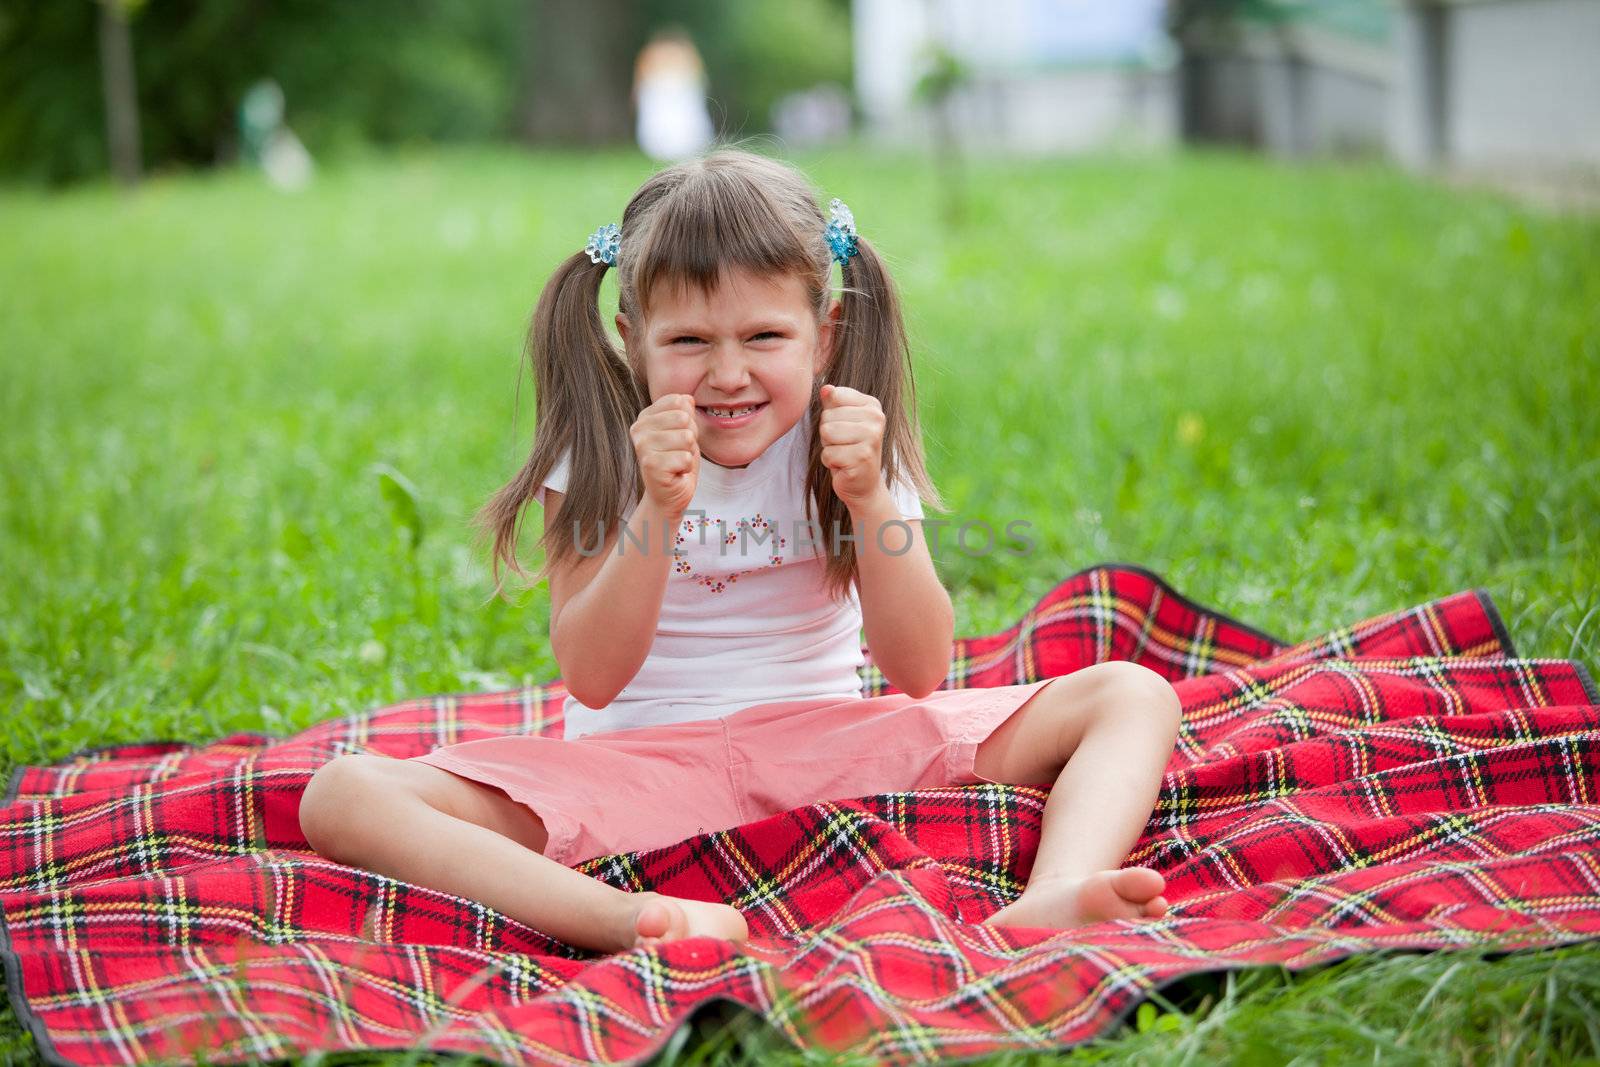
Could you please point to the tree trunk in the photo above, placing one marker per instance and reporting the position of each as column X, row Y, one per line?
column 120, row 93
column 581, row 71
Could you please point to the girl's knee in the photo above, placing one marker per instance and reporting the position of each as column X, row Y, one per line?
column 336, row 791
column 1127, row 685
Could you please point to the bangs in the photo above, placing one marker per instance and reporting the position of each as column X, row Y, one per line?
column 708, row 224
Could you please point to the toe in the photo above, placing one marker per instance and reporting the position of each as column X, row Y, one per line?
column 653, row 920
column 1139, row 884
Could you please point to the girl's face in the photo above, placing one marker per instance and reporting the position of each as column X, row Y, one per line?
column 752, row 342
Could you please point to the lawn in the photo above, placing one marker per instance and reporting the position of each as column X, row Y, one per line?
column 1305, row 395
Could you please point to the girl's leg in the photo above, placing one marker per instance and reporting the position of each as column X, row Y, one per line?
column 421, row 824
column 1105, row 734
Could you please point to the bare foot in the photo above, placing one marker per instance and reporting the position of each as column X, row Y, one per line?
column 1130, row 893
column 662, row 918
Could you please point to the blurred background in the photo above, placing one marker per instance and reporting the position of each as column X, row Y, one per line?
column 1505, row 90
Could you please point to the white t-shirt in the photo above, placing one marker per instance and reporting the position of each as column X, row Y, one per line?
column 745, row 618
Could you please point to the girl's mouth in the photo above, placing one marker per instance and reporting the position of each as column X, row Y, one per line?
column 744, row 415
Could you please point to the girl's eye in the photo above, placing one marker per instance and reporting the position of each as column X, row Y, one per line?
column 696, row 340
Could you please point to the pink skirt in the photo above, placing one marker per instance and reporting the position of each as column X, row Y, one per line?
column 653, row 786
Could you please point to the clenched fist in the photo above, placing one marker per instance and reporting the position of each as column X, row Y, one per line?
column 667, row 444
column 851, row 431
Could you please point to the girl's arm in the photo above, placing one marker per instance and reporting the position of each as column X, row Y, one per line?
column 909, row 621
column 604, row 608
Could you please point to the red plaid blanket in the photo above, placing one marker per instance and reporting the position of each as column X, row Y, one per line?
column 1406, row 781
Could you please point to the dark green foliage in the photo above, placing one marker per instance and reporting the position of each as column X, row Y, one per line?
column 383, row 71
column 357, row 72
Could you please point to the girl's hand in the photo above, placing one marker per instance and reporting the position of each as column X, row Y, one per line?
column 851, row 431
column 667, row 444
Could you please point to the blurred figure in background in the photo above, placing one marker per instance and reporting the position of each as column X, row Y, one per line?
column 669, row 91
column 268, row 142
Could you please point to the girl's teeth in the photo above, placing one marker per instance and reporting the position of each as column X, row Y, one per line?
column 730, row 414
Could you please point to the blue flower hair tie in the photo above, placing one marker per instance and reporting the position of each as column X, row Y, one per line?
column 604, row 243
column 841, row 232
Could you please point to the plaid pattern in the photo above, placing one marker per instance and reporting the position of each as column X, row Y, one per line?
column 1405, row 781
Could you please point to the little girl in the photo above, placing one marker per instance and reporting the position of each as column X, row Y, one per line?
column 752, row 461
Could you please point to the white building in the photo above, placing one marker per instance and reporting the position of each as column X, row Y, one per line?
column 1046, row 75
column 1505, row 87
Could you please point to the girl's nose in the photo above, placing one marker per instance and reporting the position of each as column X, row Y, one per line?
column 729, row 371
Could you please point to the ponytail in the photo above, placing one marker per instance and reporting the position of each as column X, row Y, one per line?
column 587, row 399
column 871, row 354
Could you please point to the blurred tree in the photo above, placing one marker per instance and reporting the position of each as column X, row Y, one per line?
column 580, row 69
column 52, row 124
column 119, row 87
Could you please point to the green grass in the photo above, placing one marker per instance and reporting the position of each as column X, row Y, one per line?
column 1305, row 395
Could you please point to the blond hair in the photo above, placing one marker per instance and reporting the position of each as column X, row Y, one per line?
column 686, row 224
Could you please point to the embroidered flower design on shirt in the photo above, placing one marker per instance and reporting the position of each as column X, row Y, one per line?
column 756, row 523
